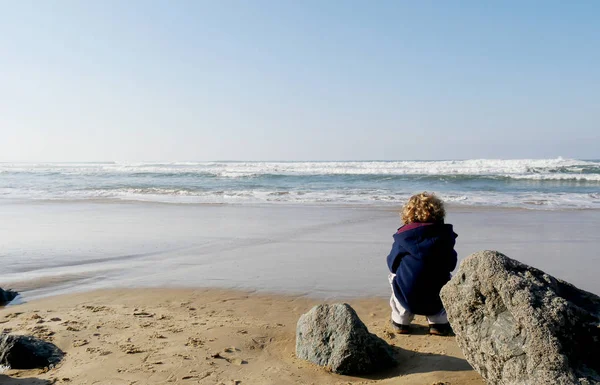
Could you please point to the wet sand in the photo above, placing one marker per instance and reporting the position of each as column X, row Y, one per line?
column 53, row 248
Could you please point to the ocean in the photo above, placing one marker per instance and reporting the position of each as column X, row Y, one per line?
column 550, row 184
column 321, row 229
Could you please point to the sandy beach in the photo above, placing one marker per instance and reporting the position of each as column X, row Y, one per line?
column 157, row 336
column 139, row 293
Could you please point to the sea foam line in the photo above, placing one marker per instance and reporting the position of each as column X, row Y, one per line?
column 519, row 168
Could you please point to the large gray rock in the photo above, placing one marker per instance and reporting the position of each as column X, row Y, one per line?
column 517, row 325
column 26, row 352
column 334, row 336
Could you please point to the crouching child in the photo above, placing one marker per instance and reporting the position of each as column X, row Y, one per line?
column 420, row 263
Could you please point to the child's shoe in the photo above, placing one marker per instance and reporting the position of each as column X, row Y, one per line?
column 440, row 329
column 401, row 329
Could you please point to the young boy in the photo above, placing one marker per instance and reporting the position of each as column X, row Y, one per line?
column 420, row 263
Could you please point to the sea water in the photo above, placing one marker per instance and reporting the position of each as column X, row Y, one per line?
column 527, row 183
column 316, row 228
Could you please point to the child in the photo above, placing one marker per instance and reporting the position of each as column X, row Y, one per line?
column 420, row 263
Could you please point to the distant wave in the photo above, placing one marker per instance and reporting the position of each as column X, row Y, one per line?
column 540, row 169
column 539, row 183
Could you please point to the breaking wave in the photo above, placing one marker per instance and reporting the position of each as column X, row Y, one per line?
column 538, row 183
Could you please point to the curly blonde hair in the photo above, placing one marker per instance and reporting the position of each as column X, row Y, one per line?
column 422, row 208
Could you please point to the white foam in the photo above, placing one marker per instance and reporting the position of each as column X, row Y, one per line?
column 518, row 168
column 222, row 183
column 556, row 177
column 342, row 197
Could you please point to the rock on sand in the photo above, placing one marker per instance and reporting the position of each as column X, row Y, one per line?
column 517, row 325
column 26, row 352
column 334, row 336
column 6, row 296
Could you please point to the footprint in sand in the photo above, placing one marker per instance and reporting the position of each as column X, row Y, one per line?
column 100, row 351
column 78, row 343
column 195, row 342
column 41, row 332
column 130, row 349
column 143, row 314
column 228, row 354
column 12, row 315
column 95, row 309
column 35, row 316
column 258, row 343
column 146, row 324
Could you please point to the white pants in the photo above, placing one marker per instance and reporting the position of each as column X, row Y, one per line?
column 402, row 316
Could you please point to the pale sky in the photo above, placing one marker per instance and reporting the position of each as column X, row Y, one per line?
column 298, row 80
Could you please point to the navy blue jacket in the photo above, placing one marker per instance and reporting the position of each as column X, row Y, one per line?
column 422, row 258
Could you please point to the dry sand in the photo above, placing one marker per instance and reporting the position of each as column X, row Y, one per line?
column 158, row 336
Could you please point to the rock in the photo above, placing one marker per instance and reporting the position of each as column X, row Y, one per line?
column 6, row 296
column 26, row 352
column 334, row 336
column 517, row 325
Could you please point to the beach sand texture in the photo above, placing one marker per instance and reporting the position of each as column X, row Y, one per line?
column 209, row 272
column 158, row 336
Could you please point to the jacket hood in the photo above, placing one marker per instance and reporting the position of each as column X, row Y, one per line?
column 419, row 240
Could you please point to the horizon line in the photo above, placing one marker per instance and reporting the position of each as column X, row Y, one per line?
column 284, row 161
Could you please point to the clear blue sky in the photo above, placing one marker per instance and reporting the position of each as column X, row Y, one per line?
column 295, row 80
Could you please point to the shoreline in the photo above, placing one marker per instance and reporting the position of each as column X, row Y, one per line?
column 322, row 252
column 157, row 336
column 451, row 206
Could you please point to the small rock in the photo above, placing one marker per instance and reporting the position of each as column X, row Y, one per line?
column 334, row 336
column 6, row 296
column 27, row 352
